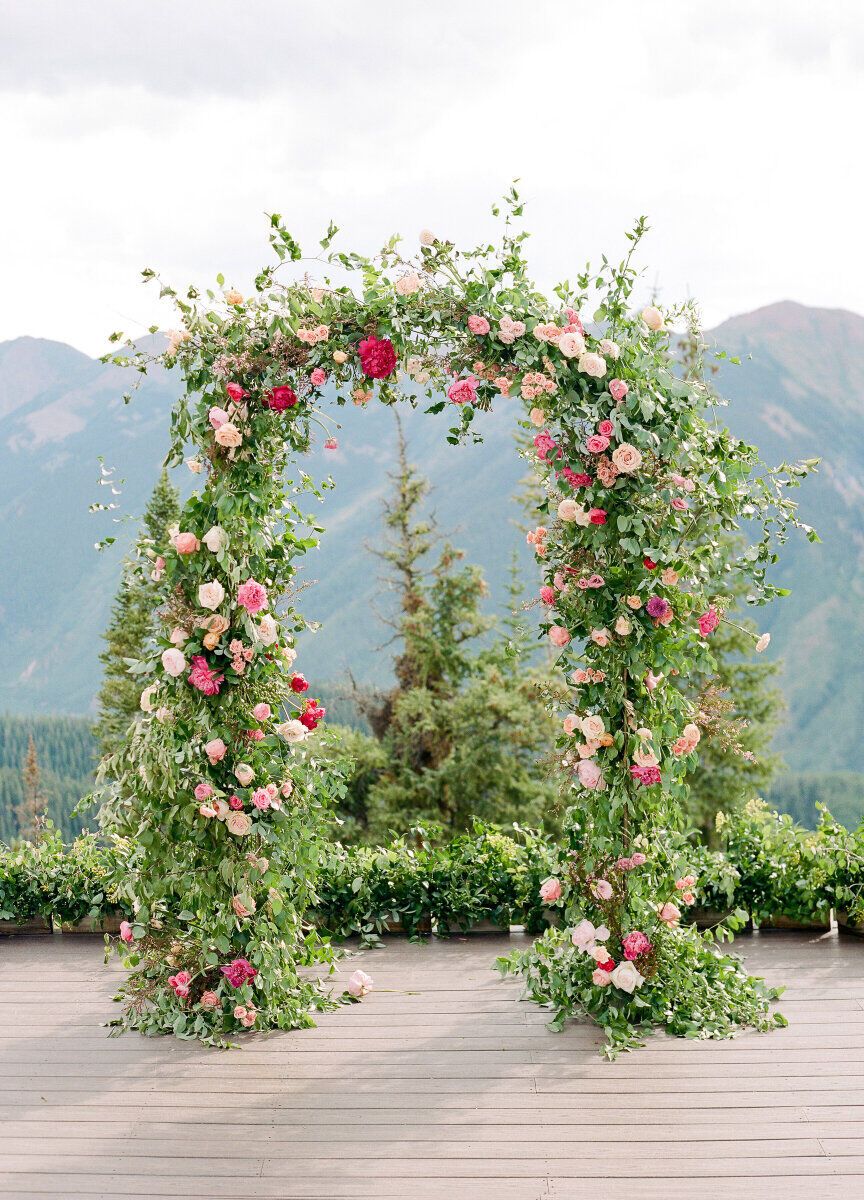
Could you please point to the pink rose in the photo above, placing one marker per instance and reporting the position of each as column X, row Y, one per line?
column 261, row 798
column 173, row 662
column 217, row 417
column 550, row 890
column 180, row 983
column 558, row 636
column 215, row 750
column 331, row 444
column 126, row 934
column 618, row 389
column 252, row 596
column 638, row 859
column 597, row 516
column 606, row 428
column 708, row 622
column 235, row 803
column 318, row 377
column 261, row 712
column 203, row 791
column 359, row 984
column 236, row 392
column 547, row 595
column 679, row 504
column 600, row 977
column 463, row 391
column 589, row 774
column 478, row 325
column 602, row 889
column 668, row 913
column 597, row 443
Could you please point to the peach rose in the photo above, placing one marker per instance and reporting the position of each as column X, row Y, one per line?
column 570, row 724
column 215, row 750
column 669, row 913
column 558, row 636
column 653, row 318
column 186, row 543
column 592, row 728
column 593, row 365
column 228, row 435
column 238, row 823
column 627, row 458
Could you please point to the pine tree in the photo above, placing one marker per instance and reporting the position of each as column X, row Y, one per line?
column 30, row 811
column 132, row 620
column 457, row 736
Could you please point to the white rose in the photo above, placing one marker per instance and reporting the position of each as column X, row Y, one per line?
column 568, row 509
column 571, row 345
column 290, row 655
column 626, row 977
column 292, row 731
column 228, row 435
column 173, row 662
column 610, row 349
column 244, row 774
column 653, row 318
column 623, row 626
column 591, row 364
column 146, row 701
column 215, row 538
column 268, row 630
column 211, row 595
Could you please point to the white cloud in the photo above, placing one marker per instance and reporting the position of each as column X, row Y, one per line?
column 158, row 136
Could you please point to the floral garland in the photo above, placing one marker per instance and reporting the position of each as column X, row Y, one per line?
column 217, row 794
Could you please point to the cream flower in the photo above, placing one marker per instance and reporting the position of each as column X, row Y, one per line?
column 762, row 642
column 593, row 728
column 571, row 345
column 593, row 365
column 173, row 662
column 244, row 774
column 623, row 626
column 626, row 977
column 238, row 823
column 228, row 435
column 407, row 285
column 215, row 538
column 211, row 595
column 427, row 237
column 292, row 731
column 268, row 630
column 610, row 349
column 653, row 318
column 146, row 701
column 627, row 458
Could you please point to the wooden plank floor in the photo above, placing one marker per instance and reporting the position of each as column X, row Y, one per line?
column 440, row 1085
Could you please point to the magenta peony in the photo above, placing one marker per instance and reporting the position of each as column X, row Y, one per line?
column 635, row 944
column 377, row 357
column 203, row 678
column 238, row 972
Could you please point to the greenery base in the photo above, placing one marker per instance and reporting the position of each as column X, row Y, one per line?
column 696, row 991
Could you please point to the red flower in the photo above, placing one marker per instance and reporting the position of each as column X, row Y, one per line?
column 235, row 391
column 647, row 776
column 608, row 965
column 649, row 564
column 312, row 714
column 597, row 516
column 281, row 397
column 377, row 357
column 299, row 684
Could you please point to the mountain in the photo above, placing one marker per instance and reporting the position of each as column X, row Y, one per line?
column 798, row 393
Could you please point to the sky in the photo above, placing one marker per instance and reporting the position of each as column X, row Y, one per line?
column 159, row 134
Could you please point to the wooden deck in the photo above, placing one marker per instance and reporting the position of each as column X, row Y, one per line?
column 440, row 1085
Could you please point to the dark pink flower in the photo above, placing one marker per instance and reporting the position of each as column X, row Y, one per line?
column 647, row 776
column 606, row 428
column 597, row 516
column 252, row 596
column 203, row 677
column 377, row 357
column 463, row 391
column 635, row 944
column 657, row 607
column 238, row 971
column 236, row 392
column 281, row 397
column 576, row 479
column 546, row 446
column 709, row 621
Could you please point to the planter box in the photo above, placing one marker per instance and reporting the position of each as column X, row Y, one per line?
column 847, row 926
column 397, row 929
column 101, row 925
column 34, row 925
column 815, row 924
column 488, row 927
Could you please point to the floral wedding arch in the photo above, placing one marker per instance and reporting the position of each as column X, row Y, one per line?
column 217, row 798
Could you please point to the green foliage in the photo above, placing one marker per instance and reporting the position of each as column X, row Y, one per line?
column 133, row 624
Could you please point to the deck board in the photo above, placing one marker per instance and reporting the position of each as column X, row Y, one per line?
column 442, row 1085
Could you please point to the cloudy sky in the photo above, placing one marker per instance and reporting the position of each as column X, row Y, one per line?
column 157, row 134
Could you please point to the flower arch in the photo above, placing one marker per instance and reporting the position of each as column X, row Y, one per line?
column 217, row 798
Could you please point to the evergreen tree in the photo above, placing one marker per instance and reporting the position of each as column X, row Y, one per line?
column 30, row 811
column 739, row 710
column 457, row 735
column 132, row 620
